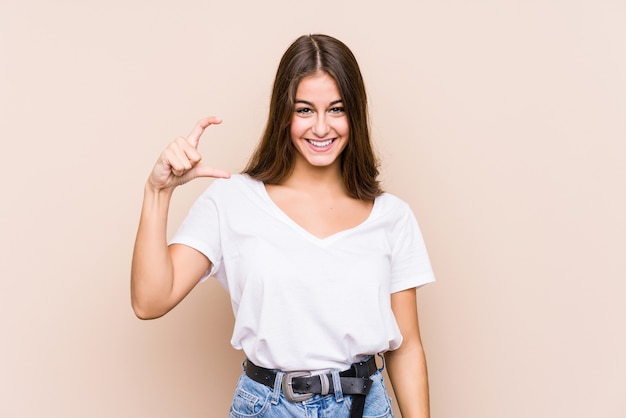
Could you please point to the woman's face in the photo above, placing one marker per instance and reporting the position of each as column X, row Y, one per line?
column 319, row 125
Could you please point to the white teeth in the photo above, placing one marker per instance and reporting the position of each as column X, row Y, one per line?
column 320, row 144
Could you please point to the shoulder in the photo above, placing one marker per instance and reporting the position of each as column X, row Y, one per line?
column 389, row 203
column 395, row 214
column 236, row 182
column 236, row 193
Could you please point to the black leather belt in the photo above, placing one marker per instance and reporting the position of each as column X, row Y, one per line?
column 300, row 386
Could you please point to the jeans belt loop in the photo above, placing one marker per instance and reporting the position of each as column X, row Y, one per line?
column 276, row 391
column 337, row 385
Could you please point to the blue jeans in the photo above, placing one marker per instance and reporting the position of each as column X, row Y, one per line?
column 255, row 400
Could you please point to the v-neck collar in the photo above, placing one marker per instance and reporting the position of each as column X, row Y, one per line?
column 303, row 231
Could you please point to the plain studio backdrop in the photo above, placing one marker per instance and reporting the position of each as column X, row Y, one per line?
column 501, row 122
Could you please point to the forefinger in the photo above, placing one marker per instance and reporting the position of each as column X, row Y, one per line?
column 194, row 137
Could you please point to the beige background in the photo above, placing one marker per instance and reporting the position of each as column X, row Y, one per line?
column 502, row 123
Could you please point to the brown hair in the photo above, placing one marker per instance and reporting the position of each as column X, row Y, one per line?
column 272, row 161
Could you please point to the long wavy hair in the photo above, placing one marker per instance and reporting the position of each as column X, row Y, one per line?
column 273, row 160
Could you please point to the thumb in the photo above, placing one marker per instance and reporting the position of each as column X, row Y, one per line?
column 202, row 170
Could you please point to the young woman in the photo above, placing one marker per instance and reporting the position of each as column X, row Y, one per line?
column 321, row 265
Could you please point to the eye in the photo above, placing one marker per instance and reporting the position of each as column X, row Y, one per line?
column 304, row 111
column 337, row 110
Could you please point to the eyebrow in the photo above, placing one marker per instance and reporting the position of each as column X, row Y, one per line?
column 334, row 102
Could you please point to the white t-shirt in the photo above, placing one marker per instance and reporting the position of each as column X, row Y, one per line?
column 303, row 302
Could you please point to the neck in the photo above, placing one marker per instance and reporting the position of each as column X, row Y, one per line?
column 314, row 179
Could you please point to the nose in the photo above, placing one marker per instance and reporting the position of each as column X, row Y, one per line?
column 320, row 126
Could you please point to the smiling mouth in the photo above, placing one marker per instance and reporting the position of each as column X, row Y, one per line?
column 320, row 144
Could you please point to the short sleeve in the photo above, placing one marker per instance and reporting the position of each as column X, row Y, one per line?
column 410, row 264
column 201, row 229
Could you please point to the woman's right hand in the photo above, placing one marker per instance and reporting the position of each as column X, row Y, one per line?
column 180, row 161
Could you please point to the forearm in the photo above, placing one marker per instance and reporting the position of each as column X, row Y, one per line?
column 151, row 271
column 407, row 371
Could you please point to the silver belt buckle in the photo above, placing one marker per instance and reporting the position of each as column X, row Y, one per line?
column 288, row 389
